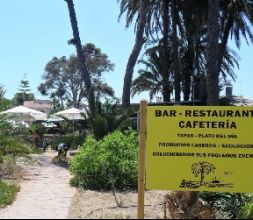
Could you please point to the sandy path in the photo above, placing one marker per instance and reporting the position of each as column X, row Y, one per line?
column 45, row 192
column 88, row 204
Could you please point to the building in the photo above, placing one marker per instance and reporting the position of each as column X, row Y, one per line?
column 39, row 105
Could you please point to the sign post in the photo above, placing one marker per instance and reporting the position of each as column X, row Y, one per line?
column 142, row 148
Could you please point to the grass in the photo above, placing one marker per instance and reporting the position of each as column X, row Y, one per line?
column 7, row 194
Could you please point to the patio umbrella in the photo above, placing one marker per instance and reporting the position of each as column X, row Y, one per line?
column 22, row 113
column 72, row 114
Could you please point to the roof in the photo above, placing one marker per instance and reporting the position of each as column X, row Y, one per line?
column 40, row 105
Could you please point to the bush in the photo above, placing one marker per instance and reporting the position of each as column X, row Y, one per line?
column 107, row 164
column 246, row 211
column 109, row 117
column 8, row 166
column 7, row 194
column 228, row 205
column 13, row 147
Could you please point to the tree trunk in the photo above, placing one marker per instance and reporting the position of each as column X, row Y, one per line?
column 139, row 41
column 81, row 57
column 166, row 90
column 213, row 53
column 188, row 72
column 176, row 66
column 165, row 52
column 224, row 41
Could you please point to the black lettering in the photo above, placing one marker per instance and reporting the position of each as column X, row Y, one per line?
column 229, row 113
column 158, row 113
column 181, row 124
column 173, row 113
column 188, row 113
column 221, row 124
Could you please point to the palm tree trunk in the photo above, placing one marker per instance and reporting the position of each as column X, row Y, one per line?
column 139, row 41
column 213, row 52
column 81, row 57
column 176, row 66
column 165, row 51
column 188, row 72
column 224, row 41
column 166, row 90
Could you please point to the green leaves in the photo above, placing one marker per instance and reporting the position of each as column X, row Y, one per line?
column 230, row 205
column 63, row 81
column 7, row 194
column 107, row 164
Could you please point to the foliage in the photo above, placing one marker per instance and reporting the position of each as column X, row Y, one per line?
column 62, row 79
column 7, row 194
column 108, row 118
column 24, row 92
column 228, row 205
column 107, row 164
column 190, row 19
column 4, row 104
column 2, row 92
column 73, row 141
column 152, row 78
column 246, row 211
column 7, row 166
column 11, row 145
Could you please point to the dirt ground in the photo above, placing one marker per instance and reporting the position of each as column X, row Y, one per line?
column 102, row 205
column 46, row 191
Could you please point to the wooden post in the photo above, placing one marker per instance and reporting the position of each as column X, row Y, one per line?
column 142, row 146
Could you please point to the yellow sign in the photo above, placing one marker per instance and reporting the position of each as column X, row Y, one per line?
column 195, row 148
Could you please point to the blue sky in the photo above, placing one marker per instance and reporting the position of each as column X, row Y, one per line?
column 34, row 31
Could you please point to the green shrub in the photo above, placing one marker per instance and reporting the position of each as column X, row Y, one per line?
column 8, row 166
column 107, row 164
column 14, row 147
column 7, row 194
column 109, row 117
column 227, row 205
column 246, row 211
column 100, row 126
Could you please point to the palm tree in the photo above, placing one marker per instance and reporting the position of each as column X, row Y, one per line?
column 176, row 65
column 81, row 57
column 237, row 18
column 153, row 78
column 194, row 19
column 132, row 7
column 153, row 21
column 213, row 46
column 202, row 169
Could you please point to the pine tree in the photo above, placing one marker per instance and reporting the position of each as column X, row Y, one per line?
column 24, row 92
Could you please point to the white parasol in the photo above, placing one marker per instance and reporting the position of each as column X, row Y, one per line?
column 72, row 114
column 22, row 113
